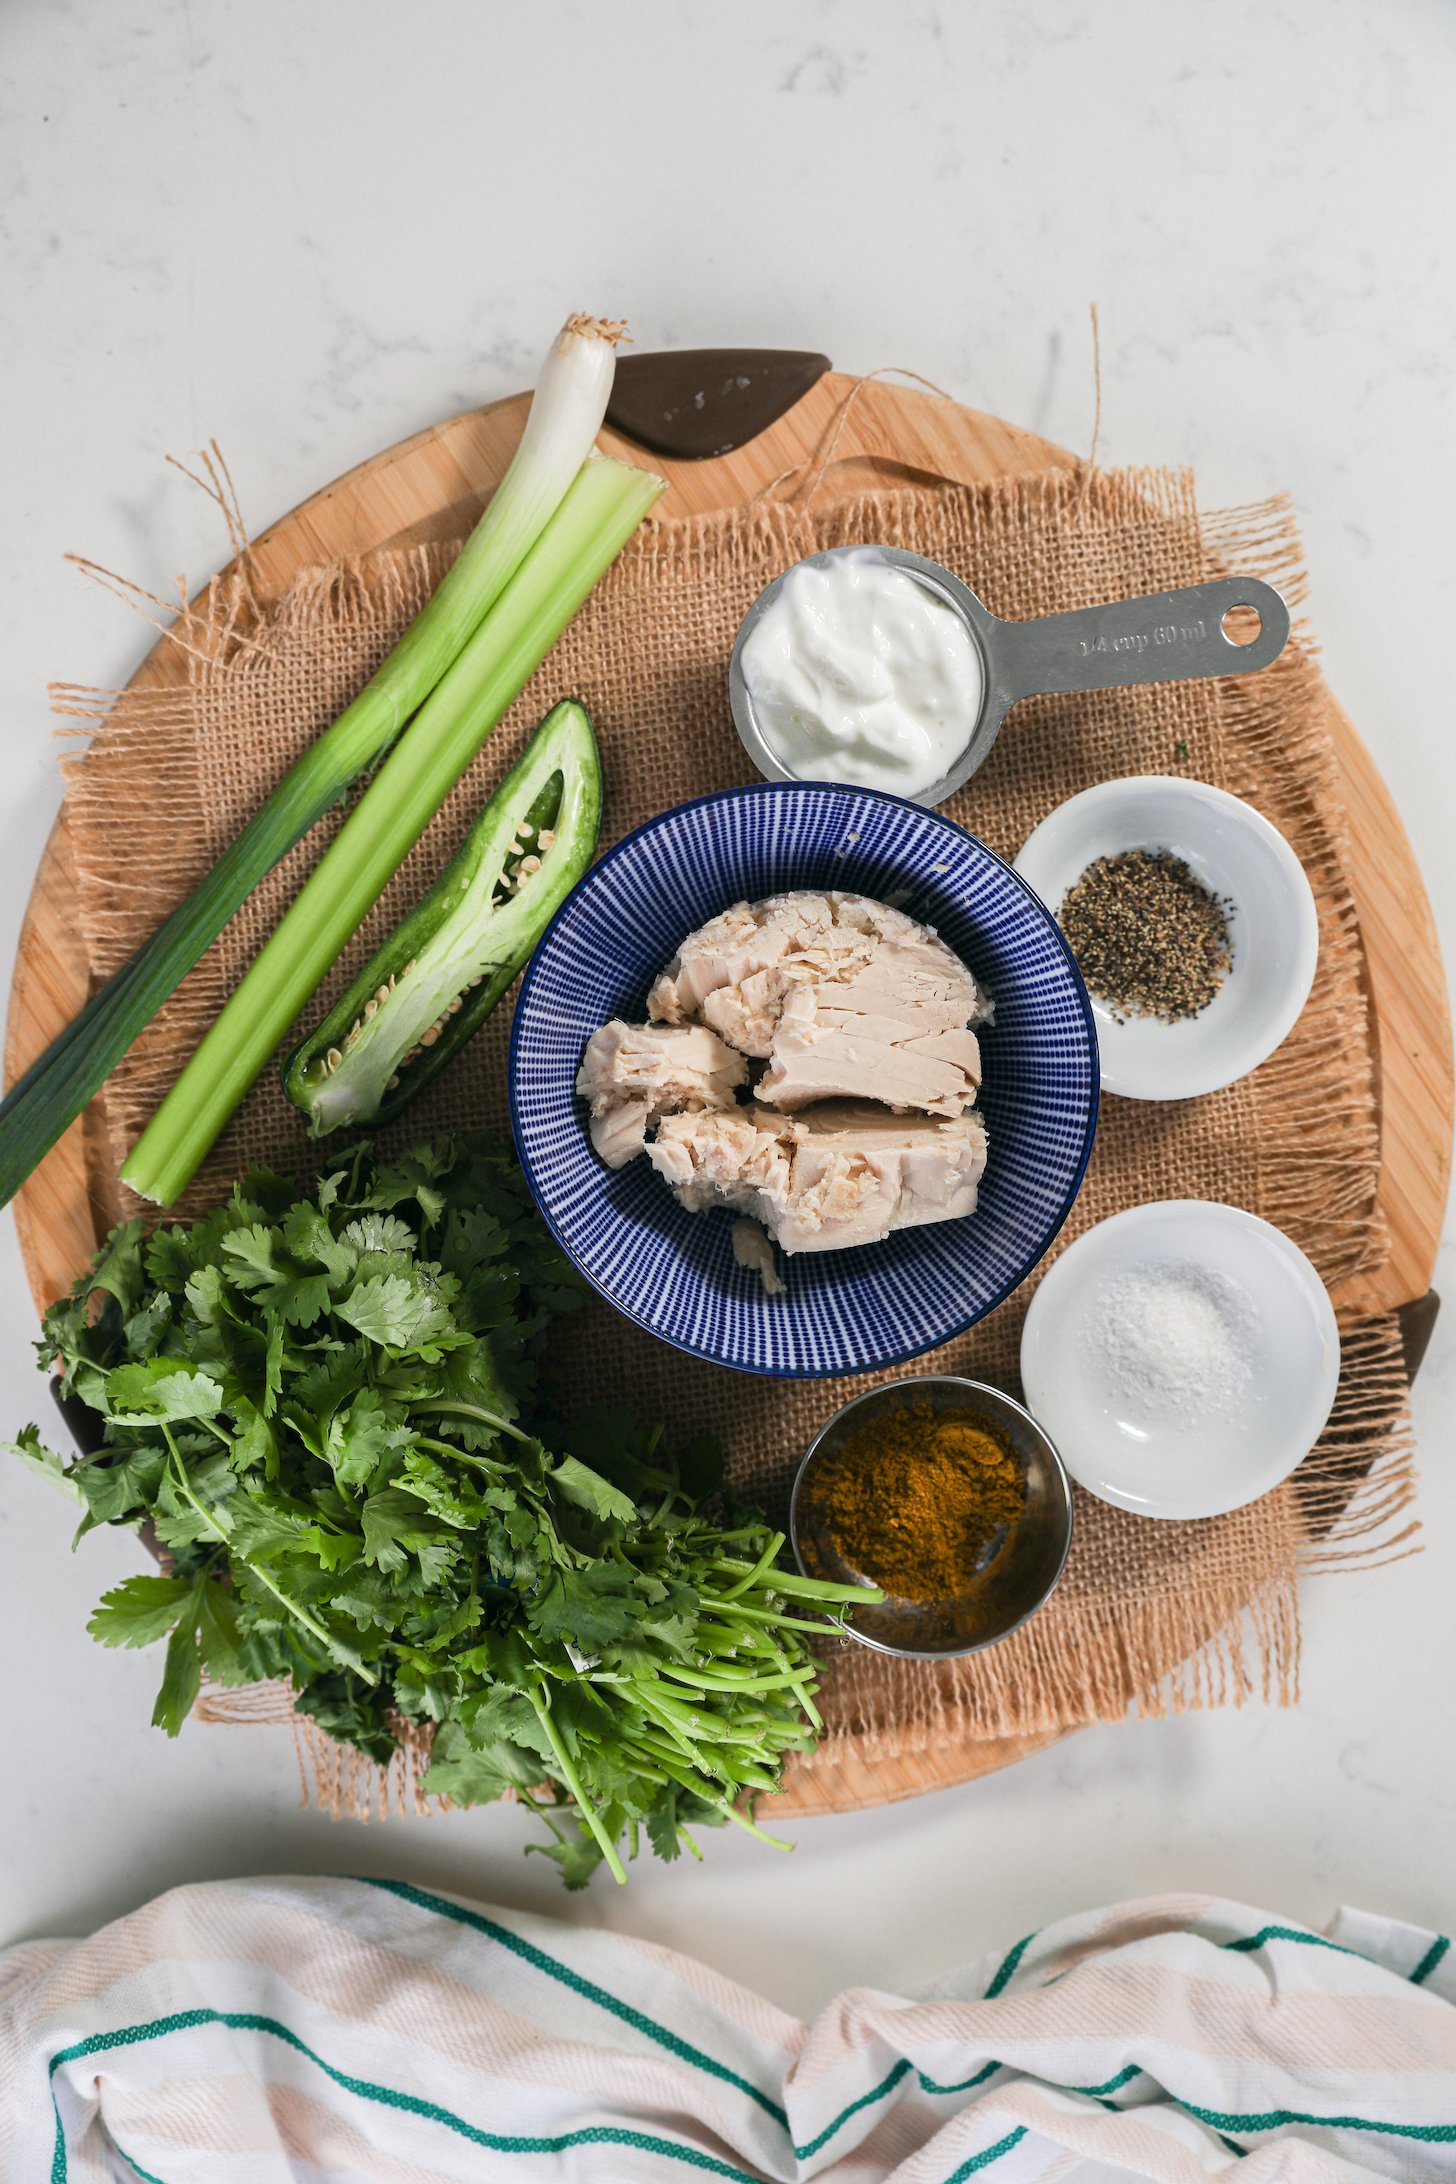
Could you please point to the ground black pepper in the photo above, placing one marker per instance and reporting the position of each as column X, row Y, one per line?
column 1150, row 939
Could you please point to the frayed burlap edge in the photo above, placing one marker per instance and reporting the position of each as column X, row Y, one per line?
column 1350, row 1495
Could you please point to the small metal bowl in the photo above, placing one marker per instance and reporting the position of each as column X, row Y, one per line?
column 996, row 1600
column 981, row 728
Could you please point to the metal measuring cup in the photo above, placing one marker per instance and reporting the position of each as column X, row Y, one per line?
column 996, row 1598
column 1172, row 636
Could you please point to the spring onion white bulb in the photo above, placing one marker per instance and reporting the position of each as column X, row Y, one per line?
column 564, row 419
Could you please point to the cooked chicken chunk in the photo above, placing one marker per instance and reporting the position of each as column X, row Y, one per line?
column 752, row 1249
column 827, row 1047
column 844, row 997
column 633, row 1073
column 843, row 1173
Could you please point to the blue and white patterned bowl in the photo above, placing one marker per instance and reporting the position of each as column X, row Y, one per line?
column 674, row 1272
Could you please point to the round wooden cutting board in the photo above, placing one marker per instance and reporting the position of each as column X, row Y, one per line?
column 433, row 487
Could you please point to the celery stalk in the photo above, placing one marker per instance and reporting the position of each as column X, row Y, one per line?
column 599, row 514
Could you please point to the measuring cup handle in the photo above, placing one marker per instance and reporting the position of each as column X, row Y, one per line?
column 1175, row 636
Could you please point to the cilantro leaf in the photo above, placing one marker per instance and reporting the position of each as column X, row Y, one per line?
column 122, row 1485
column 251, row 1254
column 360, row 1438
column 265, row 1530
column 119, row 1267
column 308, row 1236
column 589, row 1490
column 301, row 1299
column 206, row 1295
column 591, row 1607
column 218, row 1632
column 32, row 1450
column 449, row 1498
column 141, row 1610
column 393, row 1310
column 457, row 1770
column 576, row 1854
column 384, row 1233
column 142, row 1334
column 181, row 1682
column 163, row 1387
column 397, row 1529
column 195, row 1513
column 349, row 1711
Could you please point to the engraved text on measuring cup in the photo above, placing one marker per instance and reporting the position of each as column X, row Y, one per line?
column 1138, row 641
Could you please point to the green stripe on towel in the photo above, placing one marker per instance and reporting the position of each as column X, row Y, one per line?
column 1430, row 1960
column 586, row 1988
column 496, row 2142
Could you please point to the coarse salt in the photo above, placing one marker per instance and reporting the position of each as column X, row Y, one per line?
column 1176, row 1341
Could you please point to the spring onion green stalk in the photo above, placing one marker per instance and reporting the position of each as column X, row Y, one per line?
column 564, row 419
column 599, row 514
column 426, row 992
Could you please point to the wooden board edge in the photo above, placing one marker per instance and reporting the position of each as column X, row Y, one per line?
column 847, row 1781
column 1406, row 980
column 58, row 1221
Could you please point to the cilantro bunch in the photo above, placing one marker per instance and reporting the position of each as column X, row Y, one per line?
column 326, row 1410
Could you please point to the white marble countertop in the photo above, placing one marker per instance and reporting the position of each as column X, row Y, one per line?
column 310, row 231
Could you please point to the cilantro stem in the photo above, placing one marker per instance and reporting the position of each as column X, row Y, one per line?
column 461, row 1455
column 355, row 1667
column 470, row 1410
column 714, row 1680
column 573, row 1782
column 668, row 1727
column 686, row 1779
column 219, row 1532
column 209, row 1517
column 649, row 1773
column 749, row 1827
column 802, row 1693
column 756, row 1778
column 743, row 1739
column 715, row 1603
column 542, row 1811
column 765, row 1561
column 666, row 1755
column 676, row 1713
column 803, row 1588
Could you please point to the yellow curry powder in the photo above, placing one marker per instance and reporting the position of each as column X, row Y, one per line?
column 919, row 1499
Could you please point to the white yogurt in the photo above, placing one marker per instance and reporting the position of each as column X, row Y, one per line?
column 856, row 672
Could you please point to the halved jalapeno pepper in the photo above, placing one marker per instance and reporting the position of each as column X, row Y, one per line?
column 441, row 972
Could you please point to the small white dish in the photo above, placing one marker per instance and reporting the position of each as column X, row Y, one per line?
column 1207, row 1464
column 1273, row 924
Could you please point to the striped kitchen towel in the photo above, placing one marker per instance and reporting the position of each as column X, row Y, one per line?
column 252, row 2032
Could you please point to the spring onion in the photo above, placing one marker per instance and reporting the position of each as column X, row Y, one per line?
column 603, row 508
column 564, row 419
column 431, row 986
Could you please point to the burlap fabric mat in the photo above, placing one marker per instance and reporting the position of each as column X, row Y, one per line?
column 1158, row 1616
